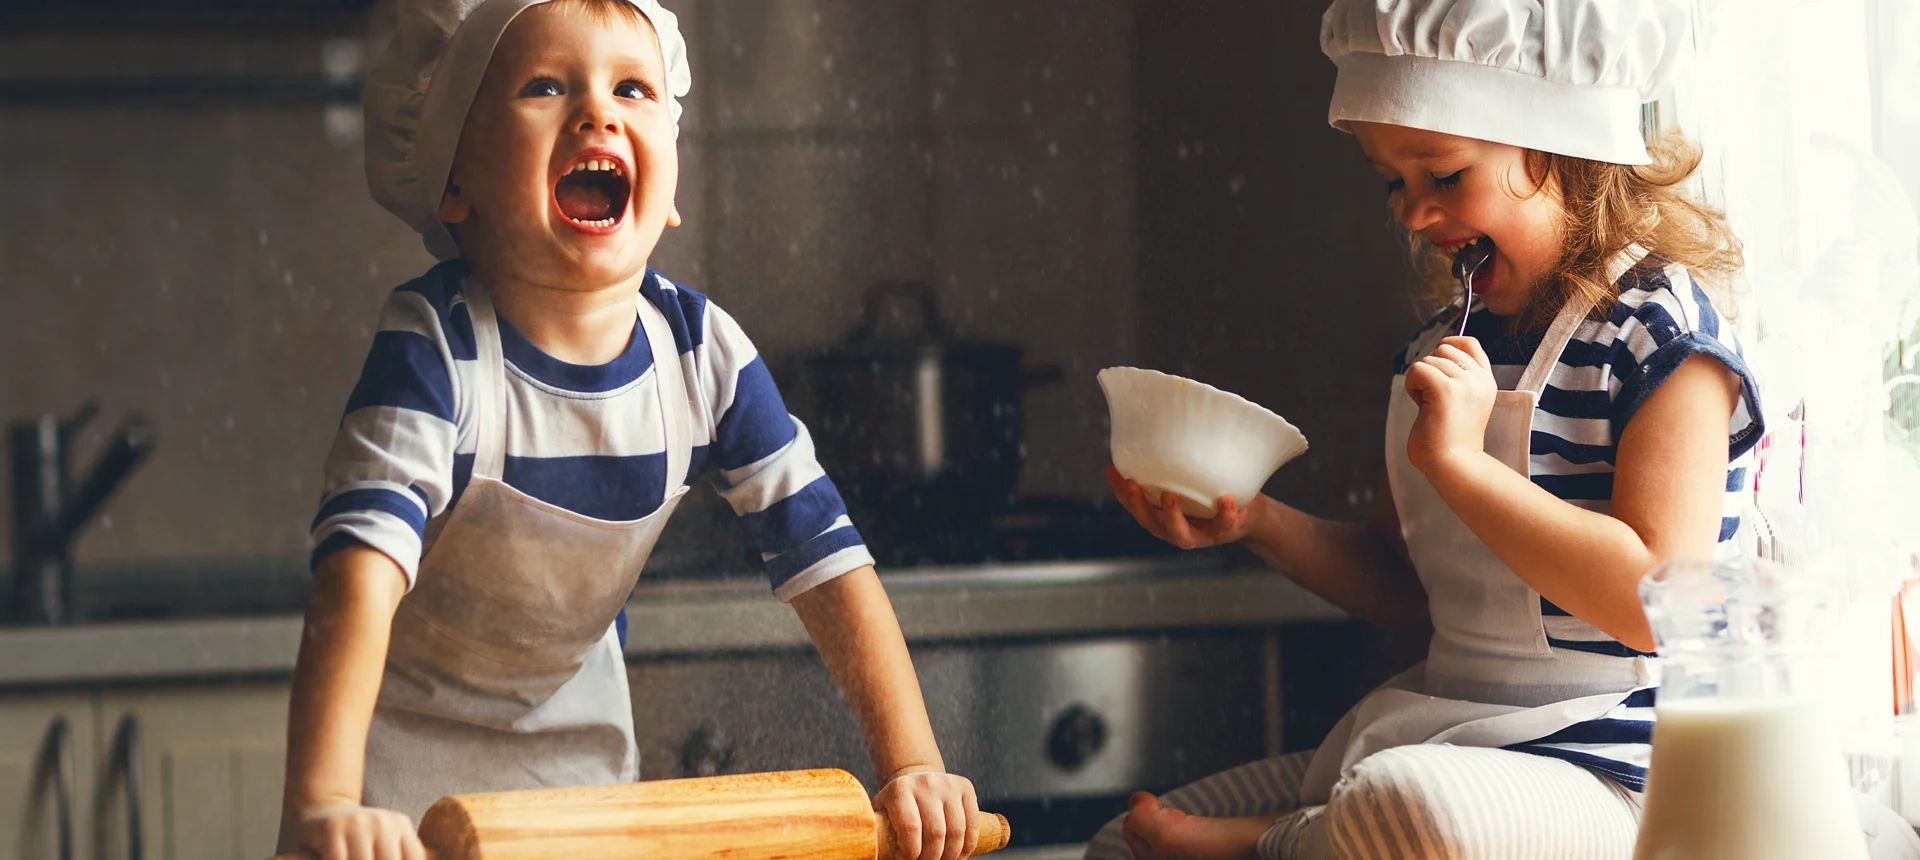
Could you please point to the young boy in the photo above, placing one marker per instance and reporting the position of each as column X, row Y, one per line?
column 531, row 411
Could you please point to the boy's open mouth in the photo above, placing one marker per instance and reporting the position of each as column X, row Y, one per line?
column 593, row 192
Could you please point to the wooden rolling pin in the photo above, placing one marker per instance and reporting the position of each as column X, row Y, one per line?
column 789, row 815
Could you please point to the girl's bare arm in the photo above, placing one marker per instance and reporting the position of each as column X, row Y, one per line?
column 1360, row 567
column 1670, row 478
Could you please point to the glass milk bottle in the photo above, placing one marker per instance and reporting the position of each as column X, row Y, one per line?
column 1745, row 764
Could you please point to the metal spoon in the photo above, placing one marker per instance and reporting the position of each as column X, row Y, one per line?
column 1466, row 263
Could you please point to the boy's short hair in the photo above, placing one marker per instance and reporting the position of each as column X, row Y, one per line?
column 605, row 12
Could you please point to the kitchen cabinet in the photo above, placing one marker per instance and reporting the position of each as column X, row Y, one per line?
column 199, row 768
column 1058, row 686
column 211, row 761
column 29, row 826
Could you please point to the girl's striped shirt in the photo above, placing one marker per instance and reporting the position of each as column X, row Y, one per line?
column 1613, row 363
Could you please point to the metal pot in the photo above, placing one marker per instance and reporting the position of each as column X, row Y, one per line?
column 913, row 415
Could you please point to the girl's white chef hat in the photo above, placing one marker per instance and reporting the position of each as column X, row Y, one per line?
column 417, row 95
column 1561, row 76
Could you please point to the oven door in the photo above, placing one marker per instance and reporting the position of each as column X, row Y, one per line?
column 1053, row 733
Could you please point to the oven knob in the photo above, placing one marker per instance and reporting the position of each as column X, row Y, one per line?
column 1078, row 734
column 706, row 752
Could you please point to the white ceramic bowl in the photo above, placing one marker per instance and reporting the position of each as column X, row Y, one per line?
column 1192, row 439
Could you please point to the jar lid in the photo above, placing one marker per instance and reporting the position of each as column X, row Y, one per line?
column 1741, row 606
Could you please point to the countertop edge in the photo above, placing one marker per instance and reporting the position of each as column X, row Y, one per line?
column 694, row 620
column 971, row 613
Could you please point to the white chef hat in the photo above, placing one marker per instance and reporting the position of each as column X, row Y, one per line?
column 417, row 95
column 1561, row 76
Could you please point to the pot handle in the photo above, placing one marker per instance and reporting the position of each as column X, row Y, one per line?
column 920, row 293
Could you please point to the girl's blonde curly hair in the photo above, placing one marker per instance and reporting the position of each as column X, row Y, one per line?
column 1608, row 207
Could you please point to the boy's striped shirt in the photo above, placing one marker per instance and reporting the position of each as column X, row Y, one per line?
column 585, row 438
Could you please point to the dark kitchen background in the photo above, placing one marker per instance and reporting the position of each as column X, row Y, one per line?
column 186, row 235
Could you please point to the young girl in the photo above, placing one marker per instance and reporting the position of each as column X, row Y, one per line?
column 1586, row 416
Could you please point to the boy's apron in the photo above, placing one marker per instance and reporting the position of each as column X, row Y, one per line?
column 504, row 671
column 1489, row 679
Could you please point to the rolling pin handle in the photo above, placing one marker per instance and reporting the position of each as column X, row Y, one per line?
column 993, row 836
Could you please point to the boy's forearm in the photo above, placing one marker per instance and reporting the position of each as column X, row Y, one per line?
column 343, row 652
column 853, row 625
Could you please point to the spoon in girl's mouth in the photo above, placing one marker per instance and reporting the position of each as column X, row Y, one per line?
column 1467, row 263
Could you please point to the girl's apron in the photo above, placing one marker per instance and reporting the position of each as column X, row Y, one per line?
column 504, row 670
column 1489, row 679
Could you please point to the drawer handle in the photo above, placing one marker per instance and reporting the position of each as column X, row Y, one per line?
column 56, row 765
column 125, row 764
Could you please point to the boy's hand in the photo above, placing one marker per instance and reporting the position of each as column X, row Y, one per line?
column 349, row 831
column 1168, row 523
column 1454, row 389
column 935, row 815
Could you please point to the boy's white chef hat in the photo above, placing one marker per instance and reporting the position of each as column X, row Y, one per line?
column 417, row 95
column 1561, row 76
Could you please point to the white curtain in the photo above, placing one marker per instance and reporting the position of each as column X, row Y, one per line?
column 1809, row 115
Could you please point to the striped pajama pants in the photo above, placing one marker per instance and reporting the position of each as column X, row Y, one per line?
column 1419, row 802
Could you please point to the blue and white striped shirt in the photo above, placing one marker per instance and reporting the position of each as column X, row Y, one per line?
column 584, row 438
column 1610, row 367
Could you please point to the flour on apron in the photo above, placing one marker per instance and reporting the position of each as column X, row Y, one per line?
column 504, row 670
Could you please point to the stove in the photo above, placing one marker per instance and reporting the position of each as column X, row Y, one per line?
column 1025, row 528
column 704, row 539
column 1054, row 733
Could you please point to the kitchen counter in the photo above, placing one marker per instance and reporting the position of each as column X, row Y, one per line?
column 670, row 618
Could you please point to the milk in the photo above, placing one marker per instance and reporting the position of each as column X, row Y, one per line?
column 1747, row 779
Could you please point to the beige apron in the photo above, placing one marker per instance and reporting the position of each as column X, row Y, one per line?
column 504, row 670
column 1489, row 679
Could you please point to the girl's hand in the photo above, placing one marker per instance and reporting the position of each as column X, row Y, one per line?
column 935, row 815
column 1454, row 389
column 1168, row 523
column 349, row 831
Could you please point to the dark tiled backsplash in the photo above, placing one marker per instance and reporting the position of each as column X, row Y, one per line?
column 224, row 275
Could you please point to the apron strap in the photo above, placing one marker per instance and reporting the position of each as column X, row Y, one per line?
column 490, row 393
column 1571, row 316
column 1623, row 261
column 1558, row 336
column 489, row 396
column 671, row 385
